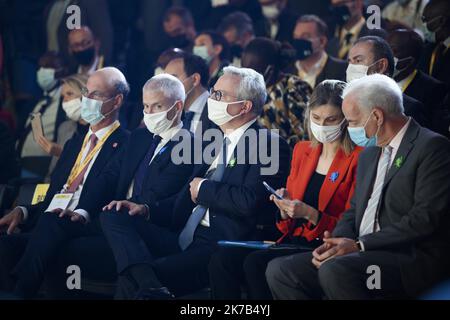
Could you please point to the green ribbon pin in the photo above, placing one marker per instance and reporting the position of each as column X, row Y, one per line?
column 232, row 163
column 398, row 162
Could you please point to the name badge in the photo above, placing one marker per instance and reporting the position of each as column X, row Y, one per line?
column 60, row 201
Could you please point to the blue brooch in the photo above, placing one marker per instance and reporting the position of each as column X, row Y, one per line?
column 334, row 176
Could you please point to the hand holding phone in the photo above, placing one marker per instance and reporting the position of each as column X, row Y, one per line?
column 272, row 191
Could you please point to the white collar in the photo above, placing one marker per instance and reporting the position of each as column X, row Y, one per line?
column 236, row 134
column 447, row 42
column 199, row 103
column 102, row 132
column 397, row 140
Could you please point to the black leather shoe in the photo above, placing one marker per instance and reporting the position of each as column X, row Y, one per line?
column 154, row 294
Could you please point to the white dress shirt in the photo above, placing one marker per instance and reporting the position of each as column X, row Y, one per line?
column 234, row 138
column 310, row 76
column 197, row 107
column 165, row 138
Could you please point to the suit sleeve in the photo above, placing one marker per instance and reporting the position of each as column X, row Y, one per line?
column 431, row 201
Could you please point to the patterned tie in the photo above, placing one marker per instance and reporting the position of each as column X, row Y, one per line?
column 368, row 224
column 187, row 234
column 187, row 121
column 145, row 163
column 79, row 178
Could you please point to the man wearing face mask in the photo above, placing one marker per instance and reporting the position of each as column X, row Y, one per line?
column 214, row 49
column 225, row 199
column 398, row 218
column 407, row 47
column 192, row 71
column 179, row 28
column 85, row 49
column 56, row 221
column 50, row 72
column 313, row 64
column 279, row 21
column 372, row 54
column 436, row 62
column 237, row 28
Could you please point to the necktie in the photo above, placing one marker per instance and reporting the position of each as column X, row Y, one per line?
column 187, row 234
column 76, row 183
column 187, row 121
column 368, row 222
column 145, row 163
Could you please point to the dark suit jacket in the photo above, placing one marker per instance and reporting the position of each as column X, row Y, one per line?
column 416, row 110
column 115, row 142
column 286, row 25
column 441, row 69
column 431, row 93
column 164, row 178
column 239, row 203
column 414, row 213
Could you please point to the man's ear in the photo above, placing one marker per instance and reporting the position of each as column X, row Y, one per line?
column 118, row 101
column 217, row 48
column 323, row 41
column 379, row 115
column 248, row 106
column 197, row 79
column 383, row 65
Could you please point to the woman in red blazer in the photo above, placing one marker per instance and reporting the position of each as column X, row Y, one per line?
column 318, row 191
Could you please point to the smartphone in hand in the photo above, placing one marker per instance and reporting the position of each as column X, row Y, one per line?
column 272, row 190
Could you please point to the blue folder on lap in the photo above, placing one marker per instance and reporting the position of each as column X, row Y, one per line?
column 246, row 244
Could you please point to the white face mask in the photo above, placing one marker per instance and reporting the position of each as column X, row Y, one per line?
column 202, row 52
column 217, row 111
column 271, row 12
column 357, row 71
column 46, row 78
column 326, row 134
column 72, row 109
column 158, row 123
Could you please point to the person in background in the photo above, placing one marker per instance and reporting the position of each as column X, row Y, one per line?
column 407, row 46
column 319, row 188
column 85, row 49
column 165, row 57
column 214, row 49
column 313, row 64
column 287, row 95
column 436, row 62
column 407, row 12
column 350, row 25
column 278, row 21
column 237, row 28
column 94, row 14
column 49, row 76
column 179, row 28
column 192, row 71
column 71, row 104
column 372, row 54
column 398, row 218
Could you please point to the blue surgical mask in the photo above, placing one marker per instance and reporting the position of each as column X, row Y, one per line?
column 91, row 110
column 359, row 137
column 46, row 78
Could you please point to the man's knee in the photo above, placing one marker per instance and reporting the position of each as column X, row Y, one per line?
column 333, row 271
column 274, row 271
column 113, row 217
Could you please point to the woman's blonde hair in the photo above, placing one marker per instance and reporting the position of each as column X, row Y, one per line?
column 76, row 81
column 328, row 92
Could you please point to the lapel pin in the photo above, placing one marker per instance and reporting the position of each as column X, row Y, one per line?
column 162, row 150
column 334, row 176
column 232, row 163
column 398, row 162
column 114, row 145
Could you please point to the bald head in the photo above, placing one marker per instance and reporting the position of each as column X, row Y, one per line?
column 109, row 80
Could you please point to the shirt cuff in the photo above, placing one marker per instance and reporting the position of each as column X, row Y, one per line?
column 362, row 246
column 83, row 213
column 200, row 184
column 25, row 212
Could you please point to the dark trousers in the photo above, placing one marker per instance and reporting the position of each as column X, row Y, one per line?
column 11, row 250
column 346, row 277
column 135, row 241
column 48, row 238
column 232, row 268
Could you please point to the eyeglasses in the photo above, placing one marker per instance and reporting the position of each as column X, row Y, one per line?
column 95, row 94
column 217, row 94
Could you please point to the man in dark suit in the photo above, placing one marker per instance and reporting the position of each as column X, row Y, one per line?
column 225, row 199
column 394, row 240
column 193, row 72
column 278, row 21
column 407, row 47
column 372, row 54
column 436, row 60
column 317, row 66
column 83, row 160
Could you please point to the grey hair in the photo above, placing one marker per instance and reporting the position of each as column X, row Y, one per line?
column 376, row 90
column 251, row 86
column 169, row 85
column 117, row 81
